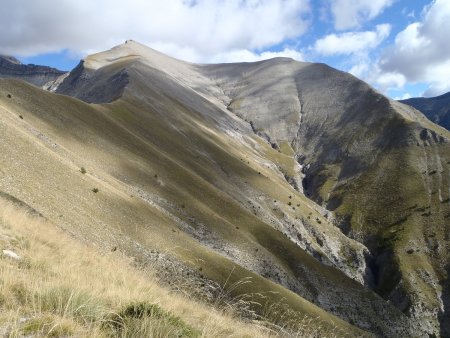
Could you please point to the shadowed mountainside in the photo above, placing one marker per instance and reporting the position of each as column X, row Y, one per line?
column 437, row 109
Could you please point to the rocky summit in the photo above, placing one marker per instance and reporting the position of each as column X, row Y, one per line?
column 330, row 197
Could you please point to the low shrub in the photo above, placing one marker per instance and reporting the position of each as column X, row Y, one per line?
column 144, row 319
column 69, row 303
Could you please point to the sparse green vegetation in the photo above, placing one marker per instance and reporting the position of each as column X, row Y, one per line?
column 95, row 190
column 45, row 325
column 178, row 166
column 83, row 170
column 69, row 289
column 127, row 142
column 143, row 319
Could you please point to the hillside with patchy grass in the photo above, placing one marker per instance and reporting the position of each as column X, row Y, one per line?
column 52, row 285
column 299, row 185
column 105, row 210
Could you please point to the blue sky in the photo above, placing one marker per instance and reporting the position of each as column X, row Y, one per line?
column 398, row 46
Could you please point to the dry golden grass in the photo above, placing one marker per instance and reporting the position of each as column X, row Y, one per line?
column 60, row 287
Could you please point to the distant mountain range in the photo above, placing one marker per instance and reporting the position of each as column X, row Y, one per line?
column 40, row 76
column 437, row 109
column 333, row 199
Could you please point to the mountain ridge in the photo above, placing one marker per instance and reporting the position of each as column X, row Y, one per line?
column 41, row 76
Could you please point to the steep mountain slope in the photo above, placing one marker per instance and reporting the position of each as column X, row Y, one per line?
column 54, row 286
column 437, row 109
column 40, row 76
column 176, row 214
column 381, row 167
column 204, row 165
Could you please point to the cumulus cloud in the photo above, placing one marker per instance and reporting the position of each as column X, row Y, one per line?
column 353, row 13
column 359, row 69
column 421, row 52
column 196, row 30
column 352, row 42
column 245, row 55
column 437, row 75
column 387, row 81
column 405, row 96
column 234, row 55
column 368, row 70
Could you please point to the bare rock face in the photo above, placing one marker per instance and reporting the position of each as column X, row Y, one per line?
column 39, row 76
column 91, row 87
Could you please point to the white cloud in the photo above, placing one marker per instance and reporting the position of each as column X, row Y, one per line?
column 245, row 55
column 421, row 52
column 405, row 96
column 438, row 75
column 197, row 30
column 388, row 81
column 369, row 71
column 353, row 13
column 235, row 55
column 352, row 42
column 409, row 14
column 360, row 69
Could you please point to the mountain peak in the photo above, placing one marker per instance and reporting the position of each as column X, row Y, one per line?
column 128, row 50
column 10, row 59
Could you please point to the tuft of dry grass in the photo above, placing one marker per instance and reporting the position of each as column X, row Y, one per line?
column 60, row 287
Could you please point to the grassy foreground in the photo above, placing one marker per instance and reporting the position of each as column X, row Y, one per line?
column 60, row 287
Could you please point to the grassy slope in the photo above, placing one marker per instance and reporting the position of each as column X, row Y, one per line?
column 115, row 216
column 60, row 287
